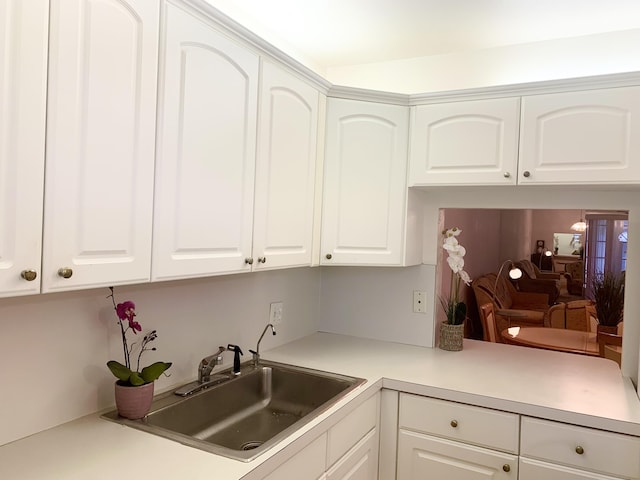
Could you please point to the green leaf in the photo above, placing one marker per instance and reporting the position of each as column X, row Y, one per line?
column 153, row 371
column 460, row 313
column 136, row 380
column 119, row 371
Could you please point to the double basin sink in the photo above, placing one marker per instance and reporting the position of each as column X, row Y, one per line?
column 244, row 415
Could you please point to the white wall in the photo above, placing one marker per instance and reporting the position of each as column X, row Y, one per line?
column 606, row 53
column 377, row 303
column 54, row 347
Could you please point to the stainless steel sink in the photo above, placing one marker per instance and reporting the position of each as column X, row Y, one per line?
column 246, row 414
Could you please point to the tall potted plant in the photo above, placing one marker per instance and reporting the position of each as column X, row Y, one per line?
column 607, row 291
column 133, row 388
column 455, row 309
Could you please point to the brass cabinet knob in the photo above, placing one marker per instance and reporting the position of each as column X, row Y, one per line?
column 65, row 272
column 454, row 423
column 248, row 261
column 506, row 467
column 579, row 450
column 527, row 173
column 328, row 256
column 262, row 259
column 506, row 175
column 29, row 275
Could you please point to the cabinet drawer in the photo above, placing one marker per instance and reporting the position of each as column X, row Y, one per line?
column 464, row 423
column 351, row 429
column 605, row 452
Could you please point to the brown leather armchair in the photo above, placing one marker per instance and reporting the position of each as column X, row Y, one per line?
column 511, row 307
column 533, row 280
column 575, row 277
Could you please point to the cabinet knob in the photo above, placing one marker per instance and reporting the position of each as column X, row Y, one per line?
column 454, row 423
column 526, row 173
column 262, row 259
column 506, row 467
column 506, row 175
column 579, row 450
column 328, row 256
column 29, row 275
column 65, row 272
column 248, row 261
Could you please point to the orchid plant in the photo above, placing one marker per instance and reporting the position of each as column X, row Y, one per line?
column 126, row 313
column 454, row 308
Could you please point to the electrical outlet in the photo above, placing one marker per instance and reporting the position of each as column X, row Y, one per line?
column 275, row 313
column 419, row 301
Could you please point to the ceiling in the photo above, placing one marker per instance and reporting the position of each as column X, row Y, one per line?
column 331, row 33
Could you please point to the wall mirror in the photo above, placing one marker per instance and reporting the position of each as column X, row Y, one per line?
column 568, row 244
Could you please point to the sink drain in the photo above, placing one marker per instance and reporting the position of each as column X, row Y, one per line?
column 251, row 445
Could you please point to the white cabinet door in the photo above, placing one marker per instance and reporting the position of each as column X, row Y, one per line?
column 23, row 89
column 203, row 211
column 465, row 143
column 364, row 204
column 100, row 142
column 587, row 137
column 308, row 464
column 360, row 463
column 422, row 457
column 535, row 470
column 285, row 170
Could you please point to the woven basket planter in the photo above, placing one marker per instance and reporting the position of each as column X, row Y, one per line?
column 451, row 337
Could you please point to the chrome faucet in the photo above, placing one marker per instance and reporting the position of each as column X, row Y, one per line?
column 205, row 379
column 256, row 353
column 207, row 364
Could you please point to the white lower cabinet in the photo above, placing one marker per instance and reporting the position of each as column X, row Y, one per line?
column 308, row 464
column 360, row 463
column 446, row 440
column 568, row 452
column 425, row 457
column 348, row 450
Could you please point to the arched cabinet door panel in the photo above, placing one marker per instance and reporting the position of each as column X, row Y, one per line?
column 587, row 137
column 206, row 152
column 23, row 93
column 364, row 205
column 285, row 170
column 465, row 143
column 101, row 121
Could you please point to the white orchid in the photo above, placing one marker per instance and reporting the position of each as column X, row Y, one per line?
column 455, row 309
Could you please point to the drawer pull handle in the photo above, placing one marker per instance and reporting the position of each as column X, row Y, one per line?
column 506, row 467
column 454, row 423
column 579, row 450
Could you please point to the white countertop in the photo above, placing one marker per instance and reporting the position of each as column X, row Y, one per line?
column 564, row 387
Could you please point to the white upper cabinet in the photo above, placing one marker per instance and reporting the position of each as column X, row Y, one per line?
column 586, row 137
column 100, row 142
column 203, row 216
column 285, row 170
column 465, row 143
column 365, row 188
column 23, row 89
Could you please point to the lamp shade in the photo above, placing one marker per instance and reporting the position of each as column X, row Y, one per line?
column 580, row 226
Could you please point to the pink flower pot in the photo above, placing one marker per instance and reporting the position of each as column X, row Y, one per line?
column 133, row 402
